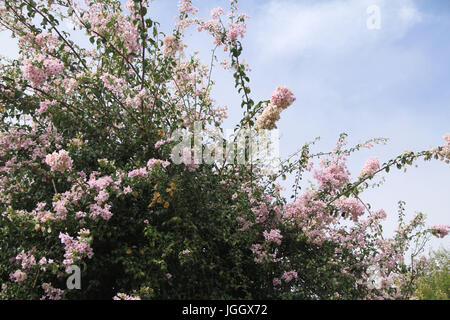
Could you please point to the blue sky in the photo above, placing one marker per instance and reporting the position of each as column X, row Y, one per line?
column 393, row 82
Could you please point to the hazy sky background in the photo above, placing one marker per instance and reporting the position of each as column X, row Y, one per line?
column 393, row 82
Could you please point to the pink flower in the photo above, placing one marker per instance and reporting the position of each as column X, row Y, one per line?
column 187, row 7
column 59, row 161
column 127, row 190
column 170, row 45
column 27, row 260
column 273, row 236
column 18, row 276
column 141, row 172
column 152, row 162
column 447, row 138
column 236, row 29
column 216, row 12
column 440, row 231
column 43, row 105
column 53, row 66
column 289, row 276
column 51, row 293
column 370, row 167
column 351, row 206
column 77, row 248
column 332, row 176
column 282, row 97
column 168, row 275
column 276, row 282
column 268, row 117
column 34, row 74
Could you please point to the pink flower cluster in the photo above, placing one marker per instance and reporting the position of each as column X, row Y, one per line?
column 170, row 45
column 18, row 276
column 152, row 162
column 53, row 66
column 50, row 292
column 141, row 172
column 370, row 167
column 281, row 98
column 59, row 161
column 261, row 254
column 216, row 12
column 76, row 248
column 273, row 236
column 43, row 105
column 162, row 142
column 187, row 7
column 351, row 206
column 440, row 231
column 235, row 30
column 126, row 32
column 288, row 276
column 332, row 175
column 27, row 260
column 34, row 74
column 37, row 75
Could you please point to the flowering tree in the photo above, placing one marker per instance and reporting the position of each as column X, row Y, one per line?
column 89, row 176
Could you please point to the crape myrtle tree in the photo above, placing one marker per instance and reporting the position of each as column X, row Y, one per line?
column 88, row 176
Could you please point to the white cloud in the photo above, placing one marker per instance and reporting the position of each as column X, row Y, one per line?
column 338, row 26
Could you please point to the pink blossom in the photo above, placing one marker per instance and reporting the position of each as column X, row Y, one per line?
column 53, row 66
column 332, row 176
column 276, row 282
column 370, row 167
column 127, row 190
column 440, row 231
column 216, row 12
column 288, row 276
column 236, row 29
column 170, row 45
column 152, row 162
column 282, row 97
column 51, row 293
column 59, row 161
column 43, row 105
column 187, row 7
column 77, row 248
column 268, row 117
column 351, row 206
column 27, row 260
column 141, row 172
column 18, row 276
column 273, row 236
column 34, row 74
